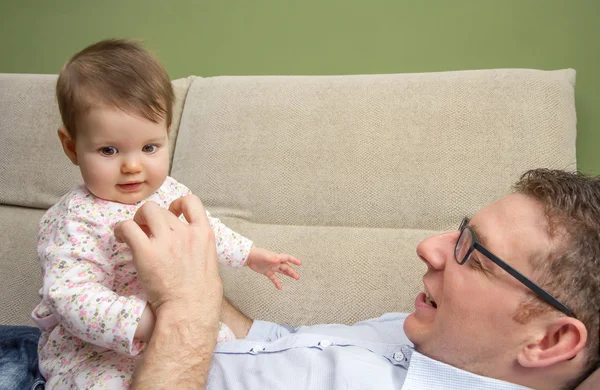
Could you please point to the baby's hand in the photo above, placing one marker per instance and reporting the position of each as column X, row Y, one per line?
column 269, row 263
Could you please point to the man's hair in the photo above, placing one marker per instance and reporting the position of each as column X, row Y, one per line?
column 571, row 203
column 116, row 73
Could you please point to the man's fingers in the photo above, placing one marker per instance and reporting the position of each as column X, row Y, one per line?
column 175, row 207
column 146, row 230
column 132, row 234
column 192, row 209
column 150, row 215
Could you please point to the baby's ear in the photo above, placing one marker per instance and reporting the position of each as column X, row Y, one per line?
column 68, row 144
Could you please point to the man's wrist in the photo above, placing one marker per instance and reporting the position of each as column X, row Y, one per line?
column 185, row 334
column 184, row 322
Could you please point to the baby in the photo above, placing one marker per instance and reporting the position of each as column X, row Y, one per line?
column 115, row 101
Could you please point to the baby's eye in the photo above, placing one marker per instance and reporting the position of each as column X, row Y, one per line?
column 151, row 148
column 108, row 151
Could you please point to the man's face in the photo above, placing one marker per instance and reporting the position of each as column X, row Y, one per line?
column 471, row 324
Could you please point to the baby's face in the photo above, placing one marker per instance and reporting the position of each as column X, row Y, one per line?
column 122, row 158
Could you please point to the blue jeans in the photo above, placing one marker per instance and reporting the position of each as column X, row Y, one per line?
column 19, row 358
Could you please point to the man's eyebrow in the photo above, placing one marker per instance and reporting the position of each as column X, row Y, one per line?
column 480, row 236
column 485, row 261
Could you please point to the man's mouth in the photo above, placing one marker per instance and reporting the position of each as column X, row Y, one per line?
column 430, row 301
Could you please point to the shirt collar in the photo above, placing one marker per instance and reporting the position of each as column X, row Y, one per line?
column 425, row 373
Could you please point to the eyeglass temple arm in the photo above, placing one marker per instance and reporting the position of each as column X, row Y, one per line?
column 521, row 278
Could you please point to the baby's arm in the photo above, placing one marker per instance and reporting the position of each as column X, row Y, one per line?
column 232, row 248
column 269, row 263
column 235, row 250
column 146, row 326
column 78, row 280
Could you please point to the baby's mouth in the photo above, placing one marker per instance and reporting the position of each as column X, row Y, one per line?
column 130, row 186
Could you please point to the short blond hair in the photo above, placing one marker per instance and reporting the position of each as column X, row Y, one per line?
column 118, row 73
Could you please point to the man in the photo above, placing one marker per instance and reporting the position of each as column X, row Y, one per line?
column 511, row 300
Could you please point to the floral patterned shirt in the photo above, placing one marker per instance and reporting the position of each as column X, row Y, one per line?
column 90, row 295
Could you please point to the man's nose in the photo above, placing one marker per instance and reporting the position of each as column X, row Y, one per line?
column 131, row 164
column 437, row 250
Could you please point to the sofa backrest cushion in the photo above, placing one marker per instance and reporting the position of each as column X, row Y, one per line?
column 350, row 172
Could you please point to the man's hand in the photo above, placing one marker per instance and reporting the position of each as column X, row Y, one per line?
column 177, row 267
column 270, row 263
column 173, row 260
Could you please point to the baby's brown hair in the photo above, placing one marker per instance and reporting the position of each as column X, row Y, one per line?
column 118, row 73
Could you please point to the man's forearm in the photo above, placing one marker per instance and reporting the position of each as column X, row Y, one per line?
column 179, row 353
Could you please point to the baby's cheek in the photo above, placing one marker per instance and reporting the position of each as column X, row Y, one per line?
column 98, row 177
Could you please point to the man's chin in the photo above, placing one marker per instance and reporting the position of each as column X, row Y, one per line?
column 411, row 328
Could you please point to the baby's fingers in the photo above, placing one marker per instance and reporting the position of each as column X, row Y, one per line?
column 275, row 280
column 284, row 258
column 288, row 271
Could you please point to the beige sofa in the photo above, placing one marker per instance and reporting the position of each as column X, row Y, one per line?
column 348, row 173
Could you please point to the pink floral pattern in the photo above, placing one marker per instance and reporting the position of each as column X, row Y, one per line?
column 90, row 286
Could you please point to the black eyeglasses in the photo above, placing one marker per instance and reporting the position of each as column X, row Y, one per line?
column 468, row 242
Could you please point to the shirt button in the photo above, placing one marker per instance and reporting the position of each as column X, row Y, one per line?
column 398, row 356
column 325, row 343
column 256, row 349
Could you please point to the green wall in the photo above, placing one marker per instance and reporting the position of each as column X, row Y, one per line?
column 323, row 37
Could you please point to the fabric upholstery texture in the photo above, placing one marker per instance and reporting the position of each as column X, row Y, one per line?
column 20, row 271
column 384, row 273
column 348, row 173
column 413, row 151
column 34, row 171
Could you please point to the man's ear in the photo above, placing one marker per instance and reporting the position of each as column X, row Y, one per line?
column 68, row 144
column 561, row 340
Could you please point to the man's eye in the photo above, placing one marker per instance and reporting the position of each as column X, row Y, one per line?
column 475, row 263
column 108, row 151
column 149, row 148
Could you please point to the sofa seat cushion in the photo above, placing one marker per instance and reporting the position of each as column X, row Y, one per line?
column 383, row 276
column 20, row 270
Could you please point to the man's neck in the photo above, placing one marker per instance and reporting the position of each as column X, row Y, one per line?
column 546, row 378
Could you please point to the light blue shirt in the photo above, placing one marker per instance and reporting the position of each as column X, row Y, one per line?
column 372, row 354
